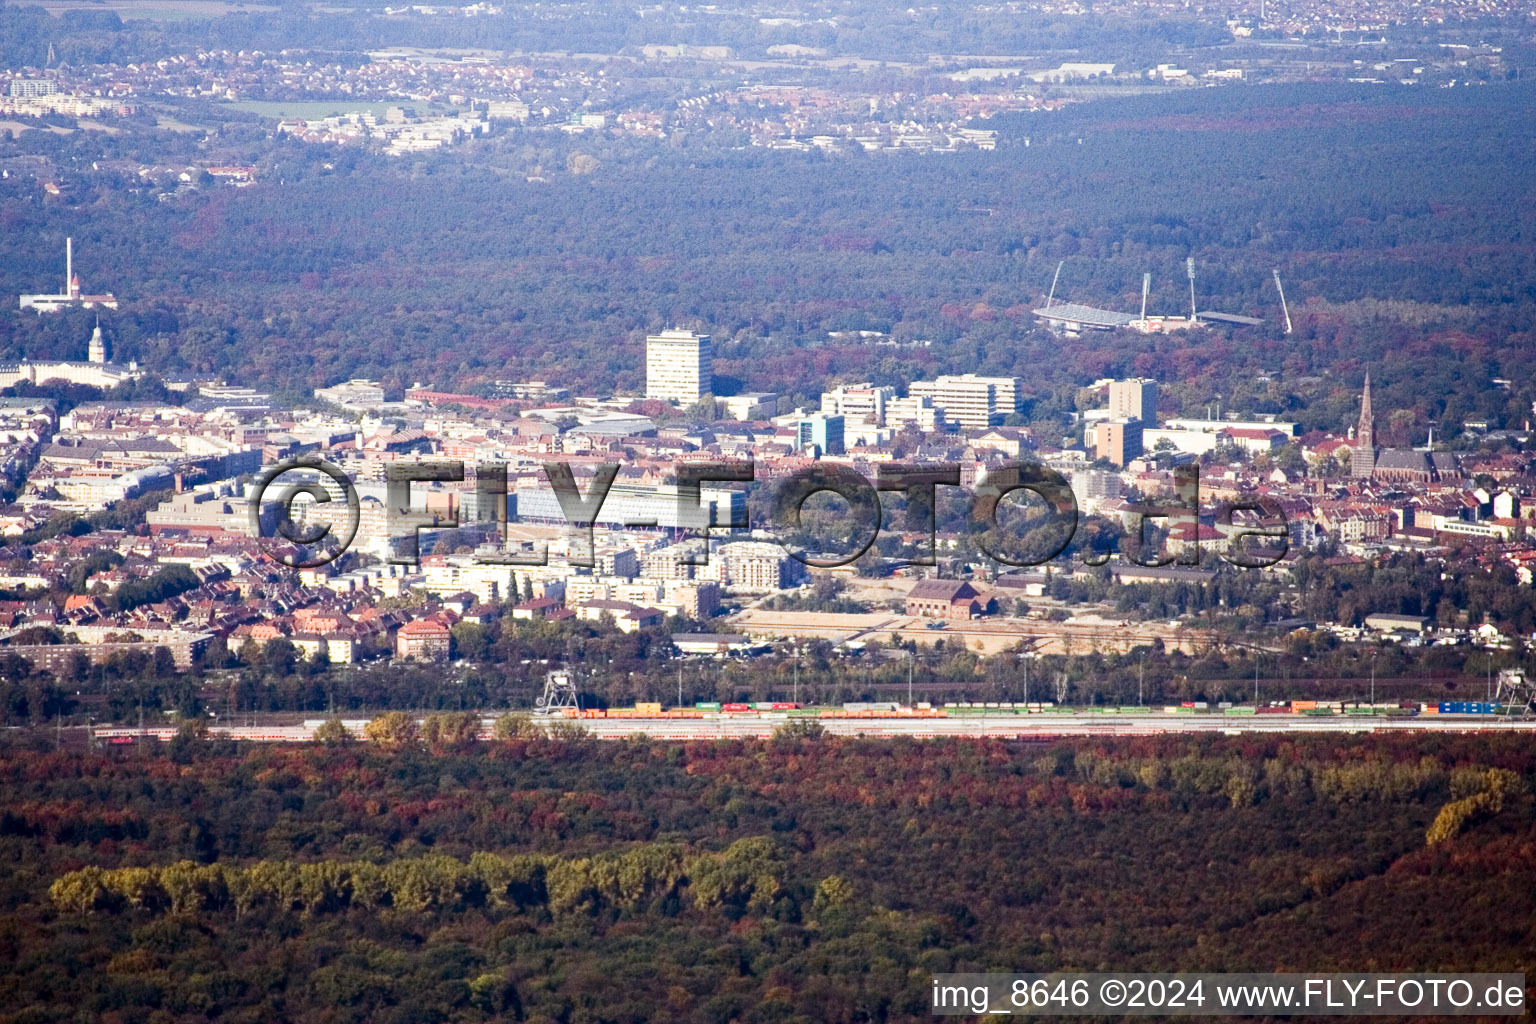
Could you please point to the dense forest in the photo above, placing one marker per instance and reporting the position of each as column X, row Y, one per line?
column 798, row 879
column 1401, row 222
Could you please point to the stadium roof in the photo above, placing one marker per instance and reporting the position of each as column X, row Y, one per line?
column 1231, row 318
column 1085, row 316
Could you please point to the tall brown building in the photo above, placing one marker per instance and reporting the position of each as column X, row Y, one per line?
column 1119, row 441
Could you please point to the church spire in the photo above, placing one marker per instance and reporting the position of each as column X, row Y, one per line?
column 1362, row 461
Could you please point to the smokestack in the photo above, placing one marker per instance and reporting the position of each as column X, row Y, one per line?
column 69, row 264
column 1146, row 286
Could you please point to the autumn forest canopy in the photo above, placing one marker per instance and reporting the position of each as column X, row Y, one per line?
column 796, row 879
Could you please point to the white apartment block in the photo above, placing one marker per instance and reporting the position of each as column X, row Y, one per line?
column 679, row 366
column 1007, row 393
column 968, row 400
column 487, row 582
column 917, row 410
column 858, row 403
column 616, row 562
column 671, row 562
column 758, row 565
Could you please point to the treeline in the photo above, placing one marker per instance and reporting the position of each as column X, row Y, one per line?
column 161, row 586
column 653, row 877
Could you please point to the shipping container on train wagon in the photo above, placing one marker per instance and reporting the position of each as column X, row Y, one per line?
column 1466, row 707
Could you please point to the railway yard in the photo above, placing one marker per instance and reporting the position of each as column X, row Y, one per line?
column 1042, row 721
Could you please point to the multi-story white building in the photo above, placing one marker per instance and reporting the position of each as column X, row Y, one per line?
column 1008, row 395
column 460, row 573
column 758, row 565
column 1093, row 487
column 31, row 88
column 670, row 562
column 640, row 505
column 360, row 393
column 918, row 410
column 971, row 401
column 752, row 405
column 616, row 562
column 858, row 403
column 507, row 110
column 679, row 366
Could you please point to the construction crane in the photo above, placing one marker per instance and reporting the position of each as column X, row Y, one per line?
column 1283, row 308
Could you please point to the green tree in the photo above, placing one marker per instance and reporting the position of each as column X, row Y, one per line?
column 394, row 730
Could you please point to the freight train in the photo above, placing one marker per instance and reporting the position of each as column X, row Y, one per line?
column 777, row 711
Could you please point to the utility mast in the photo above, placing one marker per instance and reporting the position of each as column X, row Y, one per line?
column 1056, row 277
column 1189, row 266
column 1283, row 308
